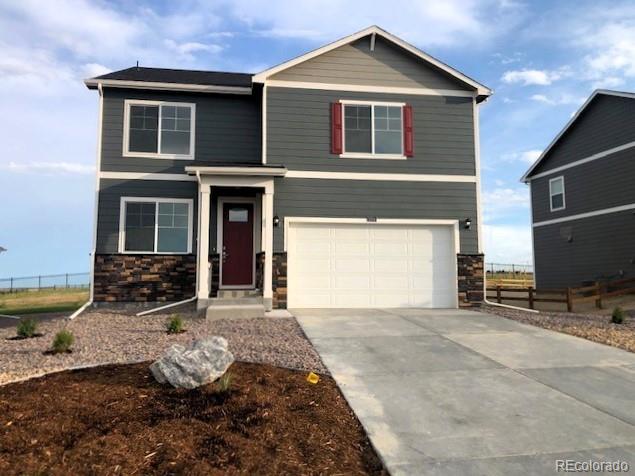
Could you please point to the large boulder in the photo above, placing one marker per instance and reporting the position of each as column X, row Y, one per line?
column 202, row 362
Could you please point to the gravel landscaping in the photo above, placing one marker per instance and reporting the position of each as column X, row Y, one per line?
column 594, row 327
column 105, row 337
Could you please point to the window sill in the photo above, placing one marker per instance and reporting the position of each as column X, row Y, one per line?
column 145, row 155
column 558, row 209
column 373, row 156
column 121, row 252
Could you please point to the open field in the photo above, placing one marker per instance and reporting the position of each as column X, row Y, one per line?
column 46, row 300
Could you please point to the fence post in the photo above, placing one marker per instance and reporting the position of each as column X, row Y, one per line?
column 66, row 280
column 39, row 282
column 11, row 286
column 498, row 293
column 598, row 289
column 531, row 297
column 569, row 300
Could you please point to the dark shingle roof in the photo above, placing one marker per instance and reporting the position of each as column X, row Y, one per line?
column 180, row 76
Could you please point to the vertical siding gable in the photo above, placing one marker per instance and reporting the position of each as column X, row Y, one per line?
column 387, row 65
column 607, row 122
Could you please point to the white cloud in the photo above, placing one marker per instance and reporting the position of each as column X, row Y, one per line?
column 533, row 76
column 608, row 82
column 49, row 168
column 507, row 244
column 504, row 201
column 90, row 70
column 187, row 49
column 562, row 99
column 527, row 157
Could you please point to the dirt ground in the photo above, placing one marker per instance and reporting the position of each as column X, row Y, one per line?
column 117, row 420
column 595, row 327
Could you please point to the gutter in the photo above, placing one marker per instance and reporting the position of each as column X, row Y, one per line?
column 167, row 306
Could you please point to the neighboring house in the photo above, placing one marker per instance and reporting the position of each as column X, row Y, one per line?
column 583, row 196
column 346, row 177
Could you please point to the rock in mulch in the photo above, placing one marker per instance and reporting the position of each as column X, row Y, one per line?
column 200, row 363
column 596, row 328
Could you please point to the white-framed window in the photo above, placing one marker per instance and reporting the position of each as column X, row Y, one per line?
column 372, row 129
column 159, row 129
column 155, row 225
column 556, row 194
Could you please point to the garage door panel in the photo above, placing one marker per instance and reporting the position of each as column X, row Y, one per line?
column 374, row 265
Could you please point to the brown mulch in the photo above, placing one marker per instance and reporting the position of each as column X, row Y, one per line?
column 117, row 420
column 596, row 328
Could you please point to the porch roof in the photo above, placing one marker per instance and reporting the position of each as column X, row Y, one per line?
column 233, row 168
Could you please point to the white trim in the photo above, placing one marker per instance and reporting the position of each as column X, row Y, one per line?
column 203, row 284
column 262, row 76
column 354, row 102
column 605, row 92
column 586, row 160
column 605, row 211
column 156, row 200
column 158, row 155
column 242, row 171
column 360, row 155
column 533, row 248
column 379, row 221
column 264, row 124
column 147, row 176
column 278, row 83
column 380, row 176
column 288, row 221
column 97, row 188
column 219, row 238
column 551, row 194
column 477, row 166
column 200, row 88
column 220, row 181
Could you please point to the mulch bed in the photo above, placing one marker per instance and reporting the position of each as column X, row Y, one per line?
column 597, row 328
column 117, row 420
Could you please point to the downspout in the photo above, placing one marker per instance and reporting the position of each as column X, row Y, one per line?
column 477, row 157
column 91, row 293
column 198, row 250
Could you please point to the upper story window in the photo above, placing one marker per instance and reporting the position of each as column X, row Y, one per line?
column 155, row 225
column 556, row 194
column 159, row 129
column 368, row 129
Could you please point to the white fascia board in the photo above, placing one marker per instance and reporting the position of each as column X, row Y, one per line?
column 579, row 216
column 380, row 176
column 525, row 178
column 245, row 171
column 480, row 89
column 199, row 88
column 147, row 176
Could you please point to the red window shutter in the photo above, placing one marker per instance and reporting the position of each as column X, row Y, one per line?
column 336, row 128
column 408, row 133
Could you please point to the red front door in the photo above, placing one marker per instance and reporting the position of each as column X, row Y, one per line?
column 238, row 244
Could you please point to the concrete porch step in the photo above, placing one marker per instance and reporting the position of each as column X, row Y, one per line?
column 237, row 301
column 229, row 310
column 238, row 293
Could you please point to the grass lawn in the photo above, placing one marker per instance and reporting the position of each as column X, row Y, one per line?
column 46, row 300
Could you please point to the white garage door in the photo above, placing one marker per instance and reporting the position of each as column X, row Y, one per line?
column 371, row 265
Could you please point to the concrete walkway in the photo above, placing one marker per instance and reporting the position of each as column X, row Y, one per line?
column 452, row 392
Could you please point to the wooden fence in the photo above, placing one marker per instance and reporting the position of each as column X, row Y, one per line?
column 569, row 296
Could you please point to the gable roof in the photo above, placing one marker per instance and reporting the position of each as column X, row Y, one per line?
column 481, row 90
column 527, row 175
column 174, row 79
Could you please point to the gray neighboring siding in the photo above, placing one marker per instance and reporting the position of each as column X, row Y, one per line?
column 227, row 130
column 607, row 122
column 387, row 65
column 602, row 183
column 110, row 194
column 299, row 133
column 602, row 246
column 362, row 199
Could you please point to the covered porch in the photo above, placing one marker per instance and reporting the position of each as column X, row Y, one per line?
column 235, row 231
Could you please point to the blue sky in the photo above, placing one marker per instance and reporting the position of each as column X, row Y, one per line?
column 541, row 58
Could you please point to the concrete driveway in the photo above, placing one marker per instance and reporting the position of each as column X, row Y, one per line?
column 452, row 392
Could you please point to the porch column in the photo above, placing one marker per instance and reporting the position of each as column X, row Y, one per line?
column 203, row 242
column 267, row 238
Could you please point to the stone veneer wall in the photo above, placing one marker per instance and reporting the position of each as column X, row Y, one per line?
column 471, row 279
column 214, row 274
column 260, row 269
column 144, row 278
column 279, row 283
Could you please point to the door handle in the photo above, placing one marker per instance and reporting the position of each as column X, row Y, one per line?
column 225, row 255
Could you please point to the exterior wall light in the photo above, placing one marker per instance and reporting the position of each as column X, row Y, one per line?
column 276, row 221
column 468, row 223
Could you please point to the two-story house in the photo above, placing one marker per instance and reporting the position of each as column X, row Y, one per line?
column 346, row 177
column 582, row 197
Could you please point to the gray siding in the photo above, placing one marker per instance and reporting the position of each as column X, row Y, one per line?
column 110, row 194
column 387, row 65
column 227, row 130
column 607, row 122
column 299, row 131
column 602, row 183
column 362, row 199
column 602, row 247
